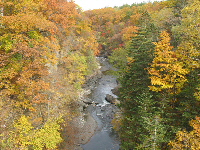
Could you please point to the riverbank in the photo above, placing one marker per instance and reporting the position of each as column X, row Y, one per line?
column 102, row 111
column 93, row 129
column 85, row 124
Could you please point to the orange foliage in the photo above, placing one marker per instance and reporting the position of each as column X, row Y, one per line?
column 24, row 49
column 61, row 12
column 128, row 32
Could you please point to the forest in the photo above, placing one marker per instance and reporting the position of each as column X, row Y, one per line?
column 48, row 49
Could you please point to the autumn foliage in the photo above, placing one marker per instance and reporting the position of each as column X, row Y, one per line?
column 48, row 49
column 166, row 71
column 188, row 140
column 159, row 91
column 35, row 37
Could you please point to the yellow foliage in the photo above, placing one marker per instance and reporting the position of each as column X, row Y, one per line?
column 77, row 68
column 197, row 93
column 129, row 60
column 190, row 31
column 117, row 121
column 166, row 71
column 188, row 140
column 23, row 135
column 134, row 19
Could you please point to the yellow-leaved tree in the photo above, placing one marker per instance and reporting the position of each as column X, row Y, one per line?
column 188, row 140
column 166, row 71
column 24, row 136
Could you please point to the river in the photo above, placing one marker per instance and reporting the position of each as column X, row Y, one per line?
column 104, row 138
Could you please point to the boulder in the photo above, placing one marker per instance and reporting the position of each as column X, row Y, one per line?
column 82, row 106
column 115, row 90
column 109, row 98
column 87, row 101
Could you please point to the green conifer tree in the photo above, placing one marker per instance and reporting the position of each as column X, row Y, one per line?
column 137, row 103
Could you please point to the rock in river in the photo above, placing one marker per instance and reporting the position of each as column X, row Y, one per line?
column 115, row 90
column 110, row 99
column 87, row 101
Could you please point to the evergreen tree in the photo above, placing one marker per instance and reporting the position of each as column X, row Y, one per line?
column 136, row 101
column 146, row 23
column 187, row 106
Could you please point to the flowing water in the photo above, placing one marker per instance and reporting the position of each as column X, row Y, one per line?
column 104, row 138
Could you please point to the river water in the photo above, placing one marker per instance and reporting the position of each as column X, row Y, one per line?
column 104, row 138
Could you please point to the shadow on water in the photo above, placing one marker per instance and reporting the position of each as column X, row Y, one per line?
column 104, row 138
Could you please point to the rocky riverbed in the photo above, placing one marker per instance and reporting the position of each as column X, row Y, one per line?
column 94, row 123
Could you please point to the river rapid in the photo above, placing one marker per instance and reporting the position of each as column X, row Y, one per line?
column 104, row 137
